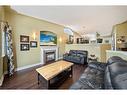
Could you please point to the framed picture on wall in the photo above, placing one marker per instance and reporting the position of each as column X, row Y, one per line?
column 33, row 44
column 24, row 47
column 24, row 38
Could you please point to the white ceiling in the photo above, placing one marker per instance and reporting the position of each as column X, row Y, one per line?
column 88, row 19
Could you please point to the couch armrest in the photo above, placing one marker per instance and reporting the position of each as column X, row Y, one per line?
column 98, row 65
column 66, row 54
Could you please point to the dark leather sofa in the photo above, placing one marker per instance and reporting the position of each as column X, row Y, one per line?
column 110, row 75
column 76, row 56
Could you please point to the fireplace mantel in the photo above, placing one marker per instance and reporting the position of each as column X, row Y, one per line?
column 47, row 48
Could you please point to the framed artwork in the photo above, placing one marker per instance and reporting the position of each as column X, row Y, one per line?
column 33, row 43
column 24, row 47
column 48, row 38
column 24, row 38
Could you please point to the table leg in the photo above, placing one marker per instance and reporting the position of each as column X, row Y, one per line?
column 48, row 84
column 45, row 83
column 38, row 78
column 71, row 72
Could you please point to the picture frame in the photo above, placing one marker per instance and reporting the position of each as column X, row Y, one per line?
column 24, row 47
column 48, row 38
column 24, row 38
column 33, row 44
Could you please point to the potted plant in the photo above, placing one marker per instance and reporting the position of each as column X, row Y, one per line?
column 99, row 40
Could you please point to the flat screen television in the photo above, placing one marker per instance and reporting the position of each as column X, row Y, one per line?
column 48, row 38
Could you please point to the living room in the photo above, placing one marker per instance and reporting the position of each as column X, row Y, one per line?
column 40, row 40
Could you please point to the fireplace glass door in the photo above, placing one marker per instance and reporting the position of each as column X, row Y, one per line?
column 49, row 56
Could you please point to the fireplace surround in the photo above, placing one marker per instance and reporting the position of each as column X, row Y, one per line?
column 50, row 53
column 49, row 56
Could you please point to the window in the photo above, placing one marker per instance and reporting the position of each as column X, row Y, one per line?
column 68, row 31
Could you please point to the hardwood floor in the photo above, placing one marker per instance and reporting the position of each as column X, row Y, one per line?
column 27, row 79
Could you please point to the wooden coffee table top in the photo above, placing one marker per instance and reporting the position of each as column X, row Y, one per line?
column 53, row 69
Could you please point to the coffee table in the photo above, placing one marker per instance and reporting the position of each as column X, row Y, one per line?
column 48, row 72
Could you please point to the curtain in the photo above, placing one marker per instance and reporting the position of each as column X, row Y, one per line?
column 9, row 49
column 2, row 25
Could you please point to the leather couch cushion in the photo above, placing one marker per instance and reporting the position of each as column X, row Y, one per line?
column 81, row 55
column 120, row 81
column 112, row 75
column 80, row 85
column 114, row 59
column 82, row 52
column 118, row 68
column 98, row 65
column 90, row 79
column 73, row 52
column 76, row 56
column 112, row 71
column 107, row 79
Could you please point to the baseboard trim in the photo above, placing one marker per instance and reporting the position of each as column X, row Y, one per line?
column 1, row 80
column 26, row 67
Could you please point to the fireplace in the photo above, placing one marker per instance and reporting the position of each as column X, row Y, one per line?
column 49, row 56
column 49, row 53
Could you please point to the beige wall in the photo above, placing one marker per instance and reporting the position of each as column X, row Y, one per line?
column 76, row 35
column 103, row 49
column 1, row 59
column 121, row 30
column 25, row 25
